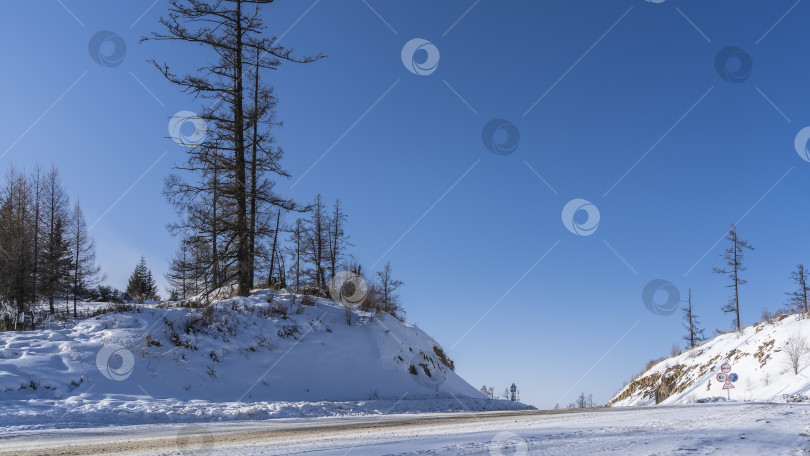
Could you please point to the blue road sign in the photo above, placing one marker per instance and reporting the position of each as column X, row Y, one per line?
column 733, row 377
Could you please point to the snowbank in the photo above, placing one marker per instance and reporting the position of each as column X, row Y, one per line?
column 244, row 358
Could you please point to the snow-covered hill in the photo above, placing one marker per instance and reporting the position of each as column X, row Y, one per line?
column 244, row 358
column 757, row 356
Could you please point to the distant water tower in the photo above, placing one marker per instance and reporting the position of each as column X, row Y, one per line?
column 513, row 390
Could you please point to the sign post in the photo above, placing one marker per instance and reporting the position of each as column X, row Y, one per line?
column 727, row 378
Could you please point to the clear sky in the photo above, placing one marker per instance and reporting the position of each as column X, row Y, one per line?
column 618, row 103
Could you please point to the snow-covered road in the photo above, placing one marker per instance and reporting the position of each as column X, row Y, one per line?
column 735, row 428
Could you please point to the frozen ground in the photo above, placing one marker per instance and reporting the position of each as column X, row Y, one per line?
column 728, row 428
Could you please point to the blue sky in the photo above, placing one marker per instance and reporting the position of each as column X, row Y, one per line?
column 597, row 91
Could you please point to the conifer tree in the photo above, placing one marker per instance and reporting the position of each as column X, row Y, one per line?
column 141, row 284
column 56, row 251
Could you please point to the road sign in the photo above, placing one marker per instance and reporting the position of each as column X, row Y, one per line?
column 727, row 377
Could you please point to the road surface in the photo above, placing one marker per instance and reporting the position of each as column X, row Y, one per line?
column 738, row 428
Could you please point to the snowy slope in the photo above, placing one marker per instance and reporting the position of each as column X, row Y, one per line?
column 244, row 360
column 757, row 355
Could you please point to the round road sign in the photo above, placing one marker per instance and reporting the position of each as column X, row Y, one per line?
column 726, row 367
column 721, row 377
column 733, row 377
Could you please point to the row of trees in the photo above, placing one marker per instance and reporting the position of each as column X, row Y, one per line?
column 46, row 253
column 230, row 214
column 224, row 192
column 316, row 249
column 506, row 395
column 232, row 231
column 733, row 256
column 582, row 401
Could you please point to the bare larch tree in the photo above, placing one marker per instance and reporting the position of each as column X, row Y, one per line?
column 798, row 297
column 733, row 257
column 694, row 334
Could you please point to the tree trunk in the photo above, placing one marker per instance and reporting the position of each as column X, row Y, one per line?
column 691, row 323
column 253, row 166
column 243, row 250
column 214, row 228
column 51, row 246
column 36, row 234
column 270, row 281
column 334, row 241
column 76, row 270
column 298, row 258
column 736, row 284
